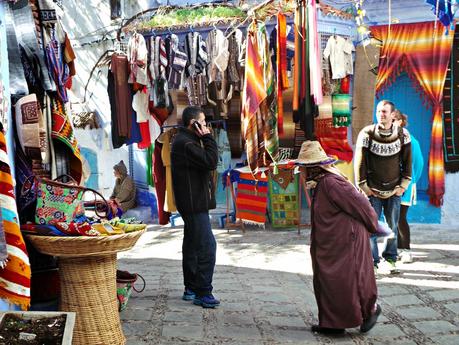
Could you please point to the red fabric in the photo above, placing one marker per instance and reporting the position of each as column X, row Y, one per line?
column 423, row 51
column 159, row 174
column 333, row 139
column 145, row 134
column 345, row 84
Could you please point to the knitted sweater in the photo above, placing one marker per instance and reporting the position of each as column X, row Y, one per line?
column 381, row 162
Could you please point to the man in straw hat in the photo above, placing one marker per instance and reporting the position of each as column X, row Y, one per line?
column 342, row 220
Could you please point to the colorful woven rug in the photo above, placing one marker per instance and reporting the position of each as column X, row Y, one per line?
column 333, row 139
column 15, row 276
column 283, row 205
column 252, row 199
column 450, row 110
column 63, row 131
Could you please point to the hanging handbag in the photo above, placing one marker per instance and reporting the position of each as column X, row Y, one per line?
column 58, row 201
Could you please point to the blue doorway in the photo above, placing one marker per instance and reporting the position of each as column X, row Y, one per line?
column 409, row 102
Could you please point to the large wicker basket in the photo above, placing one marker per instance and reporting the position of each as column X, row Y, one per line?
column 87, row 270
column 69, row 246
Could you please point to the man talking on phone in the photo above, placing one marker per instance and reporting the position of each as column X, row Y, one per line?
column 194, row 155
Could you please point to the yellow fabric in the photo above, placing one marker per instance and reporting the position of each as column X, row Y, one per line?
column 169, row 203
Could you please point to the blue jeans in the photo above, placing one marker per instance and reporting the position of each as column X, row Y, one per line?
column 391, row 209
column 199, row 250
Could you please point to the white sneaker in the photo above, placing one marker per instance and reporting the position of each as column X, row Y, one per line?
column 406, row 257
column 387, row 267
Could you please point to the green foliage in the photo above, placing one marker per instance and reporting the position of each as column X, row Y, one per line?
column 193, row 16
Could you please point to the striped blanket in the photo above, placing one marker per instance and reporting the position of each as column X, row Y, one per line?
column 423, row 51
column 15, row 276
column 252, row 199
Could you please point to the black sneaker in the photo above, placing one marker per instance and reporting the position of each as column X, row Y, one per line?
column 325, row 330
column 188, row 295
column 207, row 301
column 371, row 321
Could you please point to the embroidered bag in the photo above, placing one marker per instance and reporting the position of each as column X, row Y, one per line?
column 58, row 201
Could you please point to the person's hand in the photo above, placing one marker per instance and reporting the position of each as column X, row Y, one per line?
column 200, row 130
column 399, row 191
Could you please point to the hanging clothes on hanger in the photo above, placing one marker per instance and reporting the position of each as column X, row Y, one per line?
column 177, row 63
column 339, row 51
column 195, row 71
column 120, row 99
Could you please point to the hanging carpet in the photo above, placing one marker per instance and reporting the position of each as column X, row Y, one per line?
column 252, row 198
column 423, row 51
column 451, row 110
column 62, row 130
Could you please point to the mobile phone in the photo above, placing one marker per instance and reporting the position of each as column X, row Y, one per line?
column 197, row 125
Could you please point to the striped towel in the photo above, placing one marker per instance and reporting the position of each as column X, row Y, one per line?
column 252, row 199
column 15, row 276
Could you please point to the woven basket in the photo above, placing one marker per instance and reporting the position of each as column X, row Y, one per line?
column 79, row 246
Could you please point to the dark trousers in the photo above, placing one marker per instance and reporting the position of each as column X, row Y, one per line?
column 403, row 229
column 198, row 253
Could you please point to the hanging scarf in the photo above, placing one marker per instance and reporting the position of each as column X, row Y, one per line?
column 315, row 61
column 15, row 276
column 268, row 108
column 282, row 78
column 253, row 94
column 58, row 69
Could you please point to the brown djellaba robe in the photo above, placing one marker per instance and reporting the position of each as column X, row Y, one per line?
column 344, row 280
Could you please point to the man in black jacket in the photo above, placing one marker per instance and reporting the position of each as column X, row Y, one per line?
column 194, row 155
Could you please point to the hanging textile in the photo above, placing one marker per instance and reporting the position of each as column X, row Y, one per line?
column 423, row 51
column 451, row 110
column 252, row 198
column 341, row 108
column 282, row 78
column 268, row 107
column 304, row 109
column 442, row 9
column 15, row 275
column 253, row 94
column 62, row 130
column 283, row 194
column 333, row 139
column 315, row 61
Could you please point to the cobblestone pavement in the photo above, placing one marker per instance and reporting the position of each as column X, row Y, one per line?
column 264, row 281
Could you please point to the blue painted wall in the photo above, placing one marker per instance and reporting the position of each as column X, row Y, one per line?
column 409, row 102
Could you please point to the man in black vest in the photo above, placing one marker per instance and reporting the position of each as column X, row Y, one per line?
column 382, row 165
column 194, row 155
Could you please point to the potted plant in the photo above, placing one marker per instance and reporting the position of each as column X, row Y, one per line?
column 36, row 327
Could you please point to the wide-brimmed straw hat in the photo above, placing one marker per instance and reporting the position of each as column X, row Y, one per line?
column 312, row 154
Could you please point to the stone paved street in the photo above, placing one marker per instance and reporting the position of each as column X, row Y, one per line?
column 264, row 281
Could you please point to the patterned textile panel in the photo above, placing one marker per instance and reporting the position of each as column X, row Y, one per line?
column 450, row 110
column 252, row 199
column 283, row 205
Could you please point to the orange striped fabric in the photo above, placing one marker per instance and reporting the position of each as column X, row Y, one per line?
column 282, row 78
column 253, row 94
column 423, row 52
column 15, row 276
column 252, row 198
